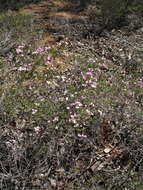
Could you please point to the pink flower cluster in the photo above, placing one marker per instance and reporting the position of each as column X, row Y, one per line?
column 89, row 74
column 140, row 83
column 41, row 50
column 63, row 42
column 66, row 53
column 77, row 105
column 37, row 129
column 82, row 136
column 72, row 118
column 19, row 49
column 89, row 79
column 22, row 69
column 34, row 111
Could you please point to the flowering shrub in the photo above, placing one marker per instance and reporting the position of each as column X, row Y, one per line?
column 71, row 118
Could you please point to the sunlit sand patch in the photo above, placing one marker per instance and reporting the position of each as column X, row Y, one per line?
column 45, row 9
column 35, row 8
column 31, row 82
column 42, row 6
column 63, row 67
column 40, row 69
column 59, row 3
column 8, row 85
column 26, row 83
column 47, row 40
column 63, row 14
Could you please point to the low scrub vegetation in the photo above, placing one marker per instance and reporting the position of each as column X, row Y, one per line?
column 114, row 12
column 15, row 4
column 71, row 114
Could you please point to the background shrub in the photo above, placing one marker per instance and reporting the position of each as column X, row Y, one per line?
column 14, row 4
column 113, row 12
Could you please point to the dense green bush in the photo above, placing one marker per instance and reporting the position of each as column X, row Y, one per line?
column 113, row 12
column 14, row 4
column 18, row 28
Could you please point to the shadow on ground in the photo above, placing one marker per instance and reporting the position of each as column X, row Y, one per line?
column 72, row 19
column 15, row 4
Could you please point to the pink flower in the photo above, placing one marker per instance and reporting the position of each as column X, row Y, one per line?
column 56, row 119
column 78, row 105
column 47, row 48
column 92, row 104
column 88, row 111
column 30, row 88
column 100, row 112
column 84, row 78
column 94, row 79
column 82, row 136
column 19, row 49
column 72, row 118
column 89, row 73
column 37, row 129
column 34, row 111
column 49, row 57
column 93, row 85
column 131, row 94
column 22, row 69
column 104, row 66
column 140, row 83
column 126, row 102
column 65, row 53
column 39, row 50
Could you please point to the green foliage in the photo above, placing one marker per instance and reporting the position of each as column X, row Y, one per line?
column 113, row 12
column 17, row 27
column 52, row 103
column 137, row 5
column 14, row 4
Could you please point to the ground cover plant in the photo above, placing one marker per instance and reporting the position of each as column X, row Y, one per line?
column 14, row 4
column 70, row 112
